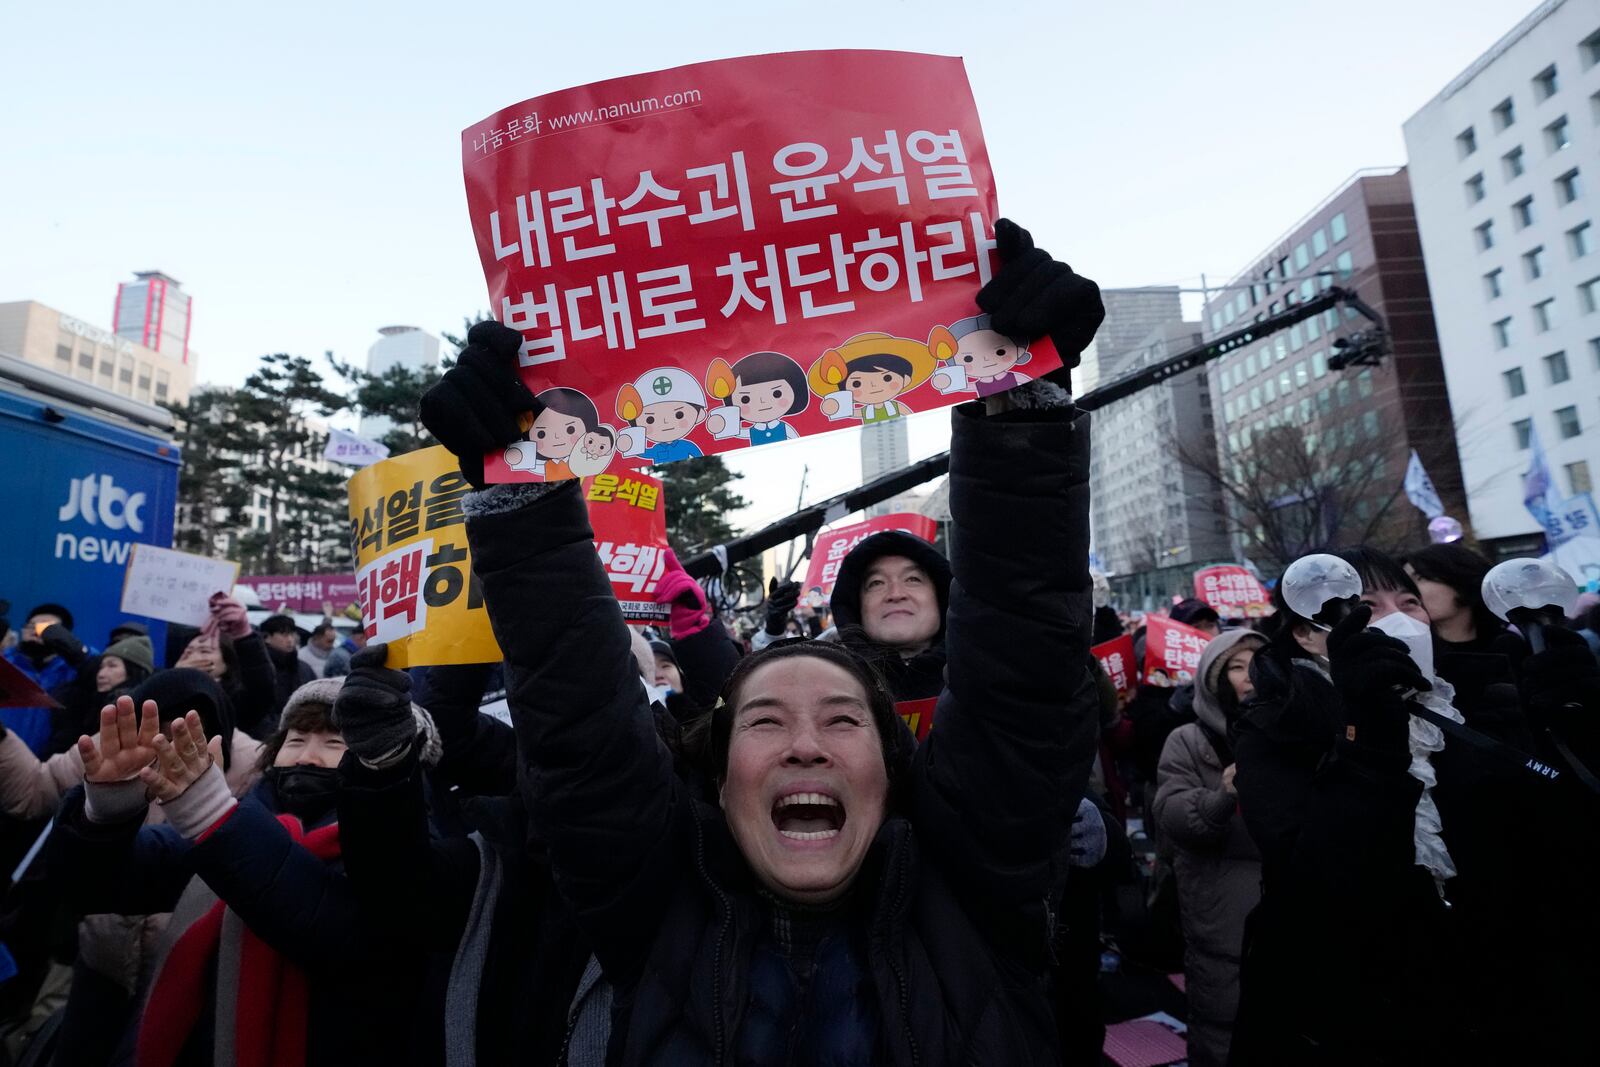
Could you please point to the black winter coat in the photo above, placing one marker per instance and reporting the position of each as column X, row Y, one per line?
column 955, row 891
column 1352, row 957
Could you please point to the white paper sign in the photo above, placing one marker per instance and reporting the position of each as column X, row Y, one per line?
column 161, row 583
column 347, row 448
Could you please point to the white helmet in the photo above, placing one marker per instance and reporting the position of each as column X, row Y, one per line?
column 669, row 383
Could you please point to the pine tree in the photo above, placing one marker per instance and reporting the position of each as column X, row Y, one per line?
column 393, row 395
column 208, row 484
column 699, row 499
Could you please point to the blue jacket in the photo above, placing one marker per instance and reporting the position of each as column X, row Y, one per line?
column 33, row 725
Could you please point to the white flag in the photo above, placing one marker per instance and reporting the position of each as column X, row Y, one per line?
column 351, row 450
column 1420, row 490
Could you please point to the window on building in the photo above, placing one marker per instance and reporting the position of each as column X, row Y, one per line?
column 1313, row 327
column 1369, row 424
column 1522, row 431
column 1302, row 256
column 1589, row 49
column 1344, row 263
column 1474, row 189
column 1544, row 316
column 86, row 363
column 1324, row 401
column 144, row 380
column 1308, row 289
column 1341, row 392
column 1330, row 320
column 1227, row 314
column 1297, row 338
column 1227, row 411
column 1522, row 213
column 1567, row 422
column 1336, row 228
column 1513, row 163
column 1502, row 332
column 107, row 369
column 1285, row 382
column 1269, row 391
column 1555, row 365
column 1364, row 382
column 1533, row 263
column 1283, row 349
column 1255, row 398
column 1302, row 374
column 1504, row 114
column 1589, row 295
column 163, row 384
column 1580, row 241
column 1557, row 136
column 1319, row 241
column 1491, row 284
column 1578, row 480
column 1483, row 235
column 1307, row 405
column 1569, row 186
column 1250, row 365
column 1545, row 84
column 1283, row 268
column 64, row 359
column 1319, row 364
column 1466, row 142
column 1216, row 322
column 1515, row 386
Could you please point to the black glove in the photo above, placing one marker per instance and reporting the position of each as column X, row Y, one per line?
column 1371, row 671
column 1562, row 682
column 475, row 406
column 781, row 600
column 373, row 708
column 60, row 640
column 1033, row 295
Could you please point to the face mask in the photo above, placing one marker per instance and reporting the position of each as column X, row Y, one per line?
column 657, row 693
column 307, row 793
column 1416, row 636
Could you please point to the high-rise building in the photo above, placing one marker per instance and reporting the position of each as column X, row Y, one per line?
column 398, row 346
column 1152, row 513
column 885, row 447
column 1310, row 455
column 1131, row 316
column 1503, row 168
column 43, row 336
column 154, row 311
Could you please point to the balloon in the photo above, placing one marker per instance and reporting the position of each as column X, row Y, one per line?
column 1528, row 583
column 1312, row 581
column 1443, row 530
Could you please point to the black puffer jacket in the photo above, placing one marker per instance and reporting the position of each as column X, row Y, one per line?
column 954, row 894
column 921, row 676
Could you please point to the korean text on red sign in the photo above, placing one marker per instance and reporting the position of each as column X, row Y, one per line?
column 1116, row 659
column 832, row 546
column 739, row 253
column 1171, row 651
column 1232, row 591
column 629, row 517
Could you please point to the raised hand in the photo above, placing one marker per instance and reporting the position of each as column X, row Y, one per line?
column 228, row 618
column 475, row 407
column 126, row 747
column 182, row 760
column 1033, row 295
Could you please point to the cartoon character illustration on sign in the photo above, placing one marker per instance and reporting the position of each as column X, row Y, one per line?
column 862, row 377
column 566, row 440
column 660, row 408
column 976, row 358
column 762, row 389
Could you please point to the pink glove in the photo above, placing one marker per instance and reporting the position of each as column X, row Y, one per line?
column 685, row 598
column 228, row 618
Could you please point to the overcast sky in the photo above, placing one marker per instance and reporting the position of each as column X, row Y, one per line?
column 297, row 165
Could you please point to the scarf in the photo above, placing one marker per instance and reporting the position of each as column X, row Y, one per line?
column 261, row 999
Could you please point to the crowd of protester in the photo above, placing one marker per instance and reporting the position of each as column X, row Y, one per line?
column 722, row 844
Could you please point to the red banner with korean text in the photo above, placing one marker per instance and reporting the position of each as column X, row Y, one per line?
column 831, row 546
column 917, row 715
column 1232, row 591
column 414, row 566
column 738, row 253
column 1116, row 659
column 629, row 517
column 303, row 592
column 1171, row 651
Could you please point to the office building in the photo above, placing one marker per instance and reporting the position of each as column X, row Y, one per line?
column 397, row 346
column 154, row 311
column 1317, row 455
column 41, row 335
column 1503, row 165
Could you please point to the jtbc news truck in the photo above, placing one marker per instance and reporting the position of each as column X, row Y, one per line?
column 84, row 474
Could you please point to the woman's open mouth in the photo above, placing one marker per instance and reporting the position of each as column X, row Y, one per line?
column 808, row 816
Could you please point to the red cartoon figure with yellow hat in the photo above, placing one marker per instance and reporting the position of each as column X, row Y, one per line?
column 864, row 377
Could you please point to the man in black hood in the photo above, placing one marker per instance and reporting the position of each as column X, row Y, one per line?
column 889, row 604
column 184, row 689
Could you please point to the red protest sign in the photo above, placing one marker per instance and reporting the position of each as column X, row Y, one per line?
column 17, row 690
column 831, row 546
column 629, row 517
column 1171, row 651
column 1232, row 591
column 738, row 253
column 1116, row 659
column 917, row 715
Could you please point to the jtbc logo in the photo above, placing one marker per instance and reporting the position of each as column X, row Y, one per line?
column 101, row 501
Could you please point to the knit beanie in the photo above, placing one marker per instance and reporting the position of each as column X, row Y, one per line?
column 326, row 691
column 135, row 650
column 179, row 690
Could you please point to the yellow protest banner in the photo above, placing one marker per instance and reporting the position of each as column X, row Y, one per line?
column 413, row 564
